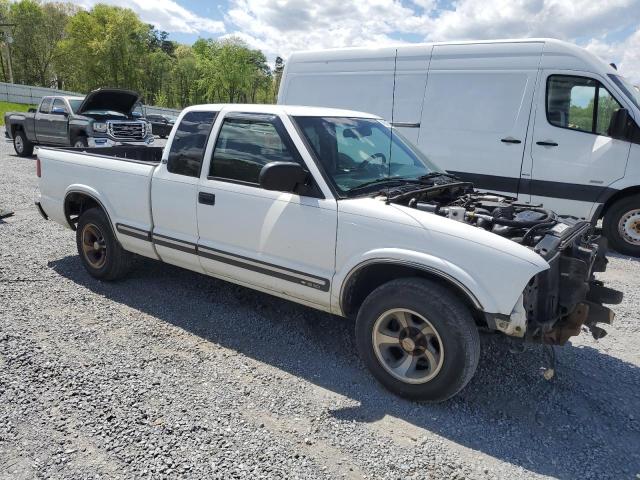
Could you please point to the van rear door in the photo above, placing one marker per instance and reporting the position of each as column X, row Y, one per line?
column 476, row 111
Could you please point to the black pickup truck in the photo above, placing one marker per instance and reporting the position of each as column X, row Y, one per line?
column 104, row 118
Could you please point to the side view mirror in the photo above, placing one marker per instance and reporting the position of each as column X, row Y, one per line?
column 619, row 124
column 58, row 111
column 282, row 176
column 136, row 114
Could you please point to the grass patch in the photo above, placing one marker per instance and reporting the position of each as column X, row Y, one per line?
column 12, row 107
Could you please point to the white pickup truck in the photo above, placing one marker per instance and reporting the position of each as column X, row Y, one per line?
column 334, row 210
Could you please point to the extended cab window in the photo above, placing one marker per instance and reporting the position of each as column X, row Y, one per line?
column 189, row 142
column 45, row 106
column 579, row 103
column 245, row 145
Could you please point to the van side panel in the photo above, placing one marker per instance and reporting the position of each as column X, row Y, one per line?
column 354, row 79
column 412, row 65
column 477, row 108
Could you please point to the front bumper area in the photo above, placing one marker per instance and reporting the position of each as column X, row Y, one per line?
column 97, row 142
column 561, row 300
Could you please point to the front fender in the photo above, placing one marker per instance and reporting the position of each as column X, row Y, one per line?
column 494, row 282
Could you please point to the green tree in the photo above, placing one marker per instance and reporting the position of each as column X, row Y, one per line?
column 38, row 30
column 106, row 46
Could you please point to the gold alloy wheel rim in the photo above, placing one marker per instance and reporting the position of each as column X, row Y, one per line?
column 629, row 227
column 94, row 247
column 407, row 346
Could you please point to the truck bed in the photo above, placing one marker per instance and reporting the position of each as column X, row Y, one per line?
column 118, row 178
column 138, row 153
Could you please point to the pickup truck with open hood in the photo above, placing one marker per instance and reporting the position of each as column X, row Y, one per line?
column 335, row 210
column 104, row 118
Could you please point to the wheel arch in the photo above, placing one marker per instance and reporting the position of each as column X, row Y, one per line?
column 77, row 201
column 619, row 195
column 370, row 274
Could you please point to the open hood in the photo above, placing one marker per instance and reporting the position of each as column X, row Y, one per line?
column 114, row 99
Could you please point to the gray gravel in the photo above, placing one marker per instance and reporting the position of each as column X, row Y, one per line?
column 170, row 374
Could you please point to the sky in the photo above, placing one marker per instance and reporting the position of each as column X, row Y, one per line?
column 609, row 28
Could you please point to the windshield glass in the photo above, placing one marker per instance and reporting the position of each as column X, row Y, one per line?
column 75, row 104
column 629, row 90
column 358, row 151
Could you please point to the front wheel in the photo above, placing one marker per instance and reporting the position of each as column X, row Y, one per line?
column 81, row 142
column 621, row 225
column 418, row 339
column 101, row 254
column 22, row 146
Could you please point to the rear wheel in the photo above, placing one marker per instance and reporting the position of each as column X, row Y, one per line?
column 418, row 339
column 22, row 146
column 101, row 254
column 621, row 225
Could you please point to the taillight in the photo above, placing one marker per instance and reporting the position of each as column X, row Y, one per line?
column 38, row 169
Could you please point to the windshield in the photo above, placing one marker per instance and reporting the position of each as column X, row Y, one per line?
column 629, row 90
column 75, row 104
column 358, row 151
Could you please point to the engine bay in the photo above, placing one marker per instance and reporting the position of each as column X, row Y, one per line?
column 529, row 225
column 558, row 301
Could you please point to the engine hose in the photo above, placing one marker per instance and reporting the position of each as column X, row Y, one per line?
column 516, row 223
column 533, row 229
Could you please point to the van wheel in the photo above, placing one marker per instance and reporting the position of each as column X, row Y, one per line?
column 22, row 146
column 101, row 254
column 418, row 339
column 621, row 225
column 81, row 142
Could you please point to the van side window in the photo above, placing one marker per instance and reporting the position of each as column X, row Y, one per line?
column 45, row 106
column 189, row 142
column 579, row 103
column 245, row 145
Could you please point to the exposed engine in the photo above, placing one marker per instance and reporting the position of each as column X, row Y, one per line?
column 556, row 302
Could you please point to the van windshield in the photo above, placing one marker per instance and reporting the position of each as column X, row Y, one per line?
column 357, row 152
column 629, row 90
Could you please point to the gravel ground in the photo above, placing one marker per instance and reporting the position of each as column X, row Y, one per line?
column 170, row 374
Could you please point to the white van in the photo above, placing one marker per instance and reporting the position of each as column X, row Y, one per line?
column 542, row 120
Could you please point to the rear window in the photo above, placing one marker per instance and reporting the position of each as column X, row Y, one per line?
column 189, row 142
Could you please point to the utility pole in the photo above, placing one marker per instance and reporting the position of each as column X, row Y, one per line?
column 8, row 40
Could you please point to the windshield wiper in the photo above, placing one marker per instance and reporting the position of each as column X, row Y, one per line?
column 381, row 181
column 431, row 175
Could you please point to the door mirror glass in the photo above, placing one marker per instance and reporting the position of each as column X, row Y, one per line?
column 58, row 111
column 282, row 176
column 619, row 124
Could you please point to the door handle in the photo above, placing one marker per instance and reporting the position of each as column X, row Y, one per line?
column 206, row 198
column 547, row 144
column 510, row 140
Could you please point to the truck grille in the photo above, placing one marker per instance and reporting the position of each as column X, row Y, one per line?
column 127, row 130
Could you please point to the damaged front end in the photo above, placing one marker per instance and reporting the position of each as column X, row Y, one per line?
column 561, row 300
column 557, row 302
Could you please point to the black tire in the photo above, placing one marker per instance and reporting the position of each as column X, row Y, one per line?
column 451, row 319
column 80, row 142
column 22, row 146
column 116, row 262
column 625, row 210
